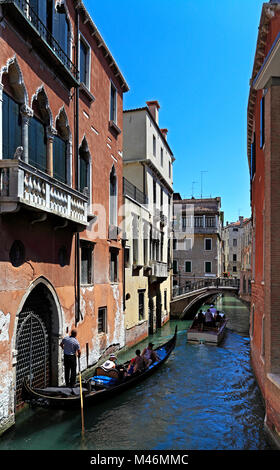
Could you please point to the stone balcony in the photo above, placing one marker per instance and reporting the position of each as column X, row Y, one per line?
column 22, row 185
column 159, row 269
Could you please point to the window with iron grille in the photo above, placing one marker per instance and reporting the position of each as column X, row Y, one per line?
column 102, row 320
column 86, row 262
column 114, row 253
column 141, row 304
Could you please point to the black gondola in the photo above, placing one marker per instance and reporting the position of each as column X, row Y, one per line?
column 95, row 389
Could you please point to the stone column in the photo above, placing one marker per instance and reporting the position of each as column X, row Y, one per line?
column 51, row 132
column 26, row 114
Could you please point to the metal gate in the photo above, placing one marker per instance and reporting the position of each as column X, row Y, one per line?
column 33, row 352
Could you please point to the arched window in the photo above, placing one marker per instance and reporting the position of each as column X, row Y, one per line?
column 85, row 168
column 113, row 197
column 37, row 138
column 61, row 28
column 14, row 98
column 62, row 149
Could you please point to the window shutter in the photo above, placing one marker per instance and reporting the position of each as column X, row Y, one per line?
column 5, row 126
column 11, row 126
column 59, row 159
column 37, row 144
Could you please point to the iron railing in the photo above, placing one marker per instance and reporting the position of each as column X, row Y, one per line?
column 202, row 283
column 130, row 190
column 32, row 17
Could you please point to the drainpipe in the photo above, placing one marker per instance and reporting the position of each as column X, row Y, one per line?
column 77, row 236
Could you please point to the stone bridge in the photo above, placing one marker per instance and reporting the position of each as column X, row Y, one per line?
column 186, row 300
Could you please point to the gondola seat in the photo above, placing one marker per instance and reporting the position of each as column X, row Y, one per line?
column 113, row 373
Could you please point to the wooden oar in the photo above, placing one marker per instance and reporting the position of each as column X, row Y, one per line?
column 81, row 395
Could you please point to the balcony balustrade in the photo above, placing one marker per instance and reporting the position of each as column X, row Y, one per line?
column 159, row 269
column 24, row 185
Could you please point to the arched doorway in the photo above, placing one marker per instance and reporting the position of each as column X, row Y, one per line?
column 37, row 340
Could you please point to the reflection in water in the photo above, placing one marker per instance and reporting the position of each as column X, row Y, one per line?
column 204, row 397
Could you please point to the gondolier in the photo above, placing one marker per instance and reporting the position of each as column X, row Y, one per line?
column 71, row 348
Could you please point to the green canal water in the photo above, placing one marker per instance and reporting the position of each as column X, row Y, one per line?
column 203, row 398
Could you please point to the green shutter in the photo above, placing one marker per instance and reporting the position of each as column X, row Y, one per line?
column 59, row 159
column 11, row 126
column 37, row 144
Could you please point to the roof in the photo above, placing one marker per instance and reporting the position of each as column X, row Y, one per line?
column 238, row 223
column 102, row 45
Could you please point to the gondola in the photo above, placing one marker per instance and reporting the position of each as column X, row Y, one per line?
column 97, row 388
column 208, row 335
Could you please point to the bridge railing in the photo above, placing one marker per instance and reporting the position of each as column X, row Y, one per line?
column 202, row 283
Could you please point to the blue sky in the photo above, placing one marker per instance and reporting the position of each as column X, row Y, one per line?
column 195, row 58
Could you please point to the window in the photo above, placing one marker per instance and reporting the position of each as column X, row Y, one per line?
column 234, row 269
column 126, row 256
column 234, row 242
column 59, row 158
column 154, row 146
column 114, row 265
column 37, row 144
column 161, row 156
column 102, row 320
column 175, row 243
column 141, row 304
column 86, row 262
column 235, row 230
column 165, row 300
column 154, row 192
column 188, row 243
column 262, row 122
column 113, row 104
column 11, row 126
column 113, row 197
column 208, row 244
column 188, row 266
column 60, row 28
column 84, row 165
column 208, row 267
column 84, row 63
column 234, row 257
column 175, row 266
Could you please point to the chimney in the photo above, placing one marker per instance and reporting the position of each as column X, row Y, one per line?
column 164, row 133
column 153, row 108
column 241, row 220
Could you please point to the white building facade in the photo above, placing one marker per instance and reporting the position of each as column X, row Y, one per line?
column 148, row 162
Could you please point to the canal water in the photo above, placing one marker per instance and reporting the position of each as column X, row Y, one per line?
column 203, row 398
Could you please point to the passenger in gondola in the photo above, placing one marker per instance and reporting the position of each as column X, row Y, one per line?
column 209, row 320
column 110, row 363
column 137, row 363
column 200, row 320
column 218, row 319
column 149, row 355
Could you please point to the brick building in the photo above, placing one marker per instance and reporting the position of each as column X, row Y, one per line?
column 61, row 95
column 197, row 239
column 263, row 130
